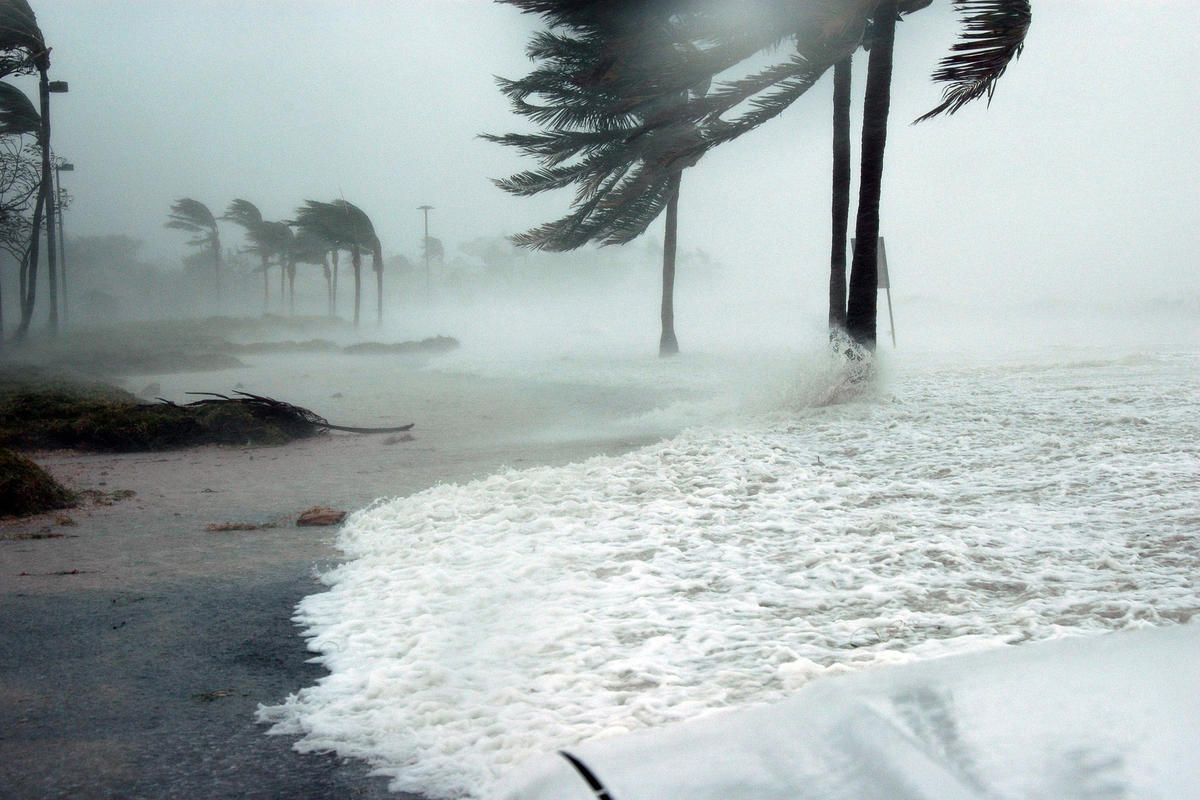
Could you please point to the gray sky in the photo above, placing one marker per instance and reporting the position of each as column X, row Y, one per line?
column 1084, row 171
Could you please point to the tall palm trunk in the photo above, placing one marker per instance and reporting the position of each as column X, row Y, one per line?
column 668, row 345
column 266, row 284
column 841, row 196
column 333, row 291
column 291, row 276
column 29, row 268
column 328, row 285
column 356, row 263
column 216, row 272
column 377, row 265
column 864, row 279
column 48, row 199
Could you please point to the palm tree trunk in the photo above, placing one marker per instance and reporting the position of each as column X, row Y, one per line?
column 356, row 262
column 291, row 276
column 266, row 285
column 216, row 269
column 841, row 196
column 328, row 285
column 333, row 292
column 864, row 279
column 29, row 269
column 377, row 265
column 668, row 345
column 48, row 199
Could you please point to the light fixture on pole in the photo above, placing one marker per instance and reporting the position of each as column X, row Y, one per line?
column 425, row 242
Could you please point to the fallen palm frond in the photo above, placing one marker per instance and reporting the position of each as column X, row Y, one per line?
column 285, row 412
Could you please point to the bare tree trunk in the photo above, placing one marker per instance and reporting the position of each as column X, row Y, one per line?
column 864, row 278
column 668, row 345
column 842, row 71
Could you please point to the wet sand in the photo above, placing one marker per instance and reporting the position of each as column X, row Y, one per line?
column 136, row 644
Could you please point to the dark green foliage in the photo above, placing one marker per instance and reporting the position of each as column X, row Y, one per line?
column 17, row 114
column 26, row 488
column 993, row 36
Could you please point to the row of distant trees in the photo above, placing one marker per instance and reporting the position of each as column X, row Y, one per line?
column 28, row 201
column 627, row 97
column 317, row 235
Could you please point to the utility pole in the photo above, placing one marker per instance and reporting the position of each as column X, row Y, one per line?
column 61, row 165
column 45, row 88
column 425, row 244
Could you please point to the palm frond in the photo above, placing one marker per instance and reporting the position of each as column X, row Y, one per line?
column 17, row 114
column 993, row 37
column 22, row 47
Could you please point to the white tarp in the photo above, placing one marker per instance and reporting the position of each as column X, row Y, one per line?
column 1111, row 716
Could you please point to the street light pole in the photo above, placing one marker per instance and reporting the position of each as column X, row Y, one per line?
column 428, row 279
column 46, row 88
column 61, row 166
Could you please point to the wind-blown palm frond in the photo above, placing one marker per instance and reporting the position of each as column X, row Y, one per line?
column 194, row 217
column 17, row 114
column 993, row 37
column 22, row 48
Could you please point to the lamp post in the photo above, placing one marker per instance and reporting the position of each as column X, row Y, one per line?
column 46, row 88
column 61, row 165
column 428, row 280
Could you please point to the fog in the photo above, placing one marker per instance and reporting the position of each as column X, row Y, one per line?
column 1075, row 191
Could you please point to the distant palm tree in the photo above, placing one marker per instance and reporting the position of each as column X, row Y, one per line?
column 246, row 215
column 349, row 228
column 195, row 218
column 311, row 248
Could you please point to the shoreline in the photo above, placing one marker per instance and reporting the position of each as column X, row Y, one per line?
column 138, row 645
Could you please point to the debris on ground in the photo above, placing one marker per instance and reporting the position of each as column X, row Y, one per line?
column 320, row 515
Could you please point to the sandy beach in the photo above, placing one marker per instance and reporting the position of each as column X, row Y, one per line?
column 137, row 644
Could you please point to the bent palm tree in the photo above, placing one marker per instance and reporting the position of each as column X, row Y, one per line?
column 310, row 248
column 195, row 218
column 349, row 228
column 598, row 92
column 246, row 215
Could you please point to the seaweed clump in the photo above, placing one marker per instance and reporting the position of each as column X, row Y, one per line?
column 58, row 418
column 26, row 488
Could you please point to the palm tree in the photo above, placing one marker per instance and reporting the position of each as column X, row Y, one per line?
column 597, row 97
column 195, row 218
column 246, row 215
column 310, row 248
column 349, row 228
column 626, row 155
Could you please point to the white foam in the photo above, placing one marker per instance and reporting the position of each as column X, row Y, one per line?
column 475, row 626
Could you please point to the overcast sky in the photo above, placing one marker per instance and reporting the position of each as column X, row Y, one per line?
column 1083, row 172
